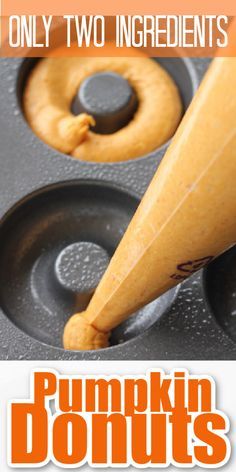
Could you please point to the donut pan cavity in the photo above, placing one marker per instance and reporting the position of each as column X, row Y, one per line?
column 53, row 207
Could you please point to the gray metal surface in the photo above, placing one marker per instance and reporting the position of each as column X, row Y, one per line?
column 49, row 201
column 109, row 99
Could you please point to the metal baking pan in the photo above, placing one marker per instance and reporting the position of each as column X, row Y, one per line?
column 50, row 201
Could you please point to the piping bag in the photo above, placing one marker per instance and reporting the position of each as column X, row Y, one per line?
column 185, row 219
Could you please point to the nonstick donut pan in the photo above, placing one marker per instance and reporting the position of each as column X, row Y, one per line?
column 54, row 208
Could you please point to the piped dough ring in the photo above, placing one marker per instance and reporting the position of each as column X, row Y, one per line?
column 53, row 84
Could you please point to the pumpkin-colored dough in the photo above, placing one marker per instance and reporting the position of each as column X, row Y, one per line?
column 79, row 332
column 187, row 215
column 53, row 84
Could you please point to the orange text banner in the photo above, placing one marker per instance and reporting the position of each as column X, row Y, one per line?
column 88, row 35
column 130, row 7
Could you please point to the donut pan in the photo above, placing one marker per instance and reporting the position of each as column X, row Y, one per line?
column 54, row 208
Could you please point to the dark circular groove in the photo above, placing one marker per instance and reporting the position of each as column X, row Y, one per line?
column 32, row 238
column 220, row 288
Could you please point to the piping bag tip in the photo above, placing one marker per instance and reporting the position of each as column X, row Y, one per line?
column 80, row 335
column 187, row 215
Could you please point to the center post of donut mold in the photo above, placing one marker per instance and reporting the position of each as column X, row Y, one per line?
column 109, row 99
column 113, row 109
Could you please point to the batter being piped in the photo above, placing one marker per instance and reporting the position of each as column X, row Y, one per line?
column 186, row 218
